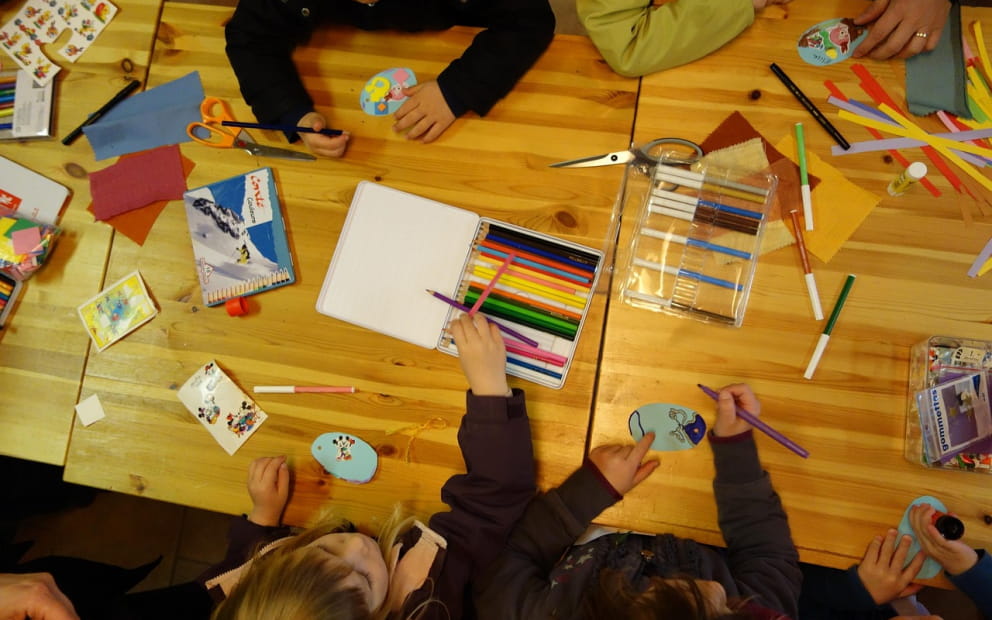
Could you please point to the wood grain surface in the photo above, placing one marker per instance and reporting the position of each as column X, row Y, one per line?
column 44, row 347
column 911, row 256
column 411, row 399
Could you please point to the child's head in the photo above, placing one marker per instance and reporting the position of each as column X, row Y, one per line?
column 322, row 574
column 676, row 597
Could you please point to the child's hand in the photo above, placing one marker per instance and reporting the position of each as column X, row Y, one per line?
column 33, row 595
column 425, row 113
column 727, row 423
column 893, row 25
column 482, row 354
column 318, row 143
column 622, row 466
column 881, row 571
column 760, row 4
column 955, row 556
column 268, row 486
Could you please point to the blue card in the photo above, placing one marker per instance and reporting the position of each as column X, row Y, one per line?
column 675, row 427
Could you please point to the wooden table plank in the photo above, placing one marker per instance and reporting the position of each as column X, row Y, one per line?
column 911, row 256
column 43, row 349
column 411, row 399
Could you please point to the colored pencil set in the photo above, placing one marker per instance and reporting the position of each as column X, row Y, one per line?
column 537, row 288
column 9, row 289
column 695, row 246
column 7, row 90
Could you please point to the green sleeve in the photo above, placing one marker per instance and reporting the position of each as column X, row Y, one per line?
column 636, row 38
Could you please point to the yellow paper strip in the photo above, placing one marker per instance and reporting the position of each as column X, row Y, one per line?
column 985, row 267
column 976, row 28
column 933, row 141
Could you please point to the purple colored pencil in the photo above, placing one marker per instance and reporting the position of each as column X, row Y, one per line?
column 756, row 422
column 502, row 328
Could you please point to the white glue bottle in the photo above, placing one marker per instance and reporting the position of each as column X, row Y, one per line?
column 913, row 173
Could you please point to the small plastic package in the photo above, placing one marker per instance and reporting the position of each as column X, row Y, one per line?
column 948, row 418
column 24, row 245
column 697, row 242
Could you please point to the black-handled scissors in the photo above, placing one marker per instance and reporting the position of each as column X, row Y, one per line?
column 674, row 151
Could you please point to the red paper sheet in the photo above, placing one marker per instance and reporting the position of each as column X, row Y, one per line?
column 137, row 181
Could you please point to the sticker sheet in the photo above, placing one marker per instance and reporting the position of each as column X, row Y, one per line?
column 117, row 310
column 831, row 41
column 221, row 406
column 42, row 21
column 383, row 94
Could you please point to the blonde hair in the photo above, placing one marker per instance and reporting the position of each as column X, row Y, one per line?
column 295, row 581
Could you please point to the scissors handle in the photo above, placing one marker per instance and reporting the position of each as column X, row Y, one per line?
column 215, row 110
column 214, row 136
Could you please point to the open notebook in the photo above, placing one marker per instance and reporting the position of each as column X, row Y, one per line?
column 395, row 246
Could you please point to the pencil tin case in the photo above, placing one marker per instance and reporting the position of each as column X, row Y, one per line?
column 696, row 244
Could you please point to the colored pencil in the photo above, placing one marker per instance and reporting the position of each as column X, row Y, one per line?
column 693, row 201
column 301, row 389
column 6, row 112
column 513, row 243
column 552, row 246
column 7, row 91
column 535, row 276
column 757, row 423
column 525, row 285
column 561, row 313
column 526, row 350
column 535, row 368
column 524, row 311
column 804, row 177
column 489, row 243
column 680, row 239
column 503, row 328
column 285, row 128
column 4, row 126
column 489, row 287
column 814, row 295
column 558, row 273
column 806, row 103
column 522, row 316
column 821, row 344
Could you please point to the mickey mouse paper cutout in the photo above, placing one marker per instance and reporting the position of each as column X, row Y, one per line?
column 831, row 41
column 930, row 566
column 42, row 21
column 675, row 427
column 345, row 456
column 383, row 94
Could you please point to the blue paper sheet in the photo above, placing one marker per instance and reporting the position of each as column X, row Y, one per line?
column 148, row 120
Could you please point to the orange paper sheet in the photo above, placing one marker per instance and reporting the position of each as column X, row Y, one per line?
column 839, row 206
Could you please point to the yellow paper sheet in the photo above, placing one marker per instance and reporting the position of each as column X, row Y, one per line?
column 839, row 206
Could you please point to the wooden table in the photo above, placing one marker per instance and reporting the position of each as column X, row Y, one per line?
column 570, row 104
column 43, row 349
column 911, row 256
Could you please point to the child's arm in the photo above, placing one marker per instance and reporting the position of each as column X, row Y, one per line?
column 969, row 570
column 636, row 38
column 495, row 441
column 268, row 487
column 517, row 586
column 761, row 555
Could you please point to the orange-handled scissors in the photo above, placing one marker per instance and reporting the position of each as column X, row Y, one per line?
column 212, row 132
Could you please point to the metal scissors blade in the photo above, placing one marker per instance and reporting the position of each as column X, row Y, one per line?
column 261, row 150
column 606, row 159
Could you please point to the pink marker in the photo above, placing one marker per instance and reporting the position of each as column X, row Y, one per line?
column 298, row 389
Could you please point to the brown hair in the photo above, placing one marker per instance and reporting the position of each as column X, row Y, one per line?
column 295, row 582
column 615, row 597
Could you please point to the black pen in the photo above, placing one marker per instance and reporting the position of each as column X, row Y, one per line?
column 812, row 109
column 92, row 118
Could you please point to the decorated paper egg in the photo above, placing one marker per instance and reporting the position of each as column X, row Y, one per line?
column 930, row 566
column 345, row 456
column 383, row 94
column 675, row 427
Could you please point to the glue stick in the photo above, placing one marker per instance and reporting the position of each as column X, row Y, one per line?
column 913, row 173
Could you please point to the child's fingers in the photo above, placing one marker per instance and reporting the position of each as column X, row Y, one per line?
column 645, row 470
column 913, row 568
column 902, row 550
column 642, row 447
column 888, row 546
column 871, row 552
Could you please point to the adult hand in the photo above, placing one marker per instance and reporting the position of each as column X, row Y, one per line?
column 881, row 570
column 318, row 143
column 482, row 354
column 268, row 487
column 35, row 596
column 955, row 556
column 425, row 113
column 894, row 24
column 623, row 466
column 730, row 397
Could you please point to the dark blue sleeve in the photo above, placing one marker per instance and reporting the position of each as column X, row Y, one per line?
column 834, row 594
column 976, row 583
